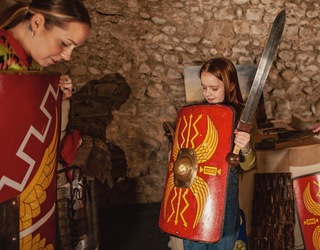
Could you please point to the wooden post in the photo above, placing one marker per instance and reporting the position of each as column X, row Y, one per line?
column 272, row 212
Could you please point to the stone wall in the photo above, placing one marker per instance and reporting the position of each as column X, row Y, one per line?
column 148, row 43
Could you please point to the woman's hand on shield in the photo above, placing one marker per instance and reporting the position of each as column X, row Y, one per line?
column 65, row 84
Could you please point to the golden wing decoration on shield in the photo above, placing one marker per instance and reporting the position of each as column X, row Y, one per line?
column 316, row 238
column 207, row 148
column 209, row 145
column 204, row 152
column 35, row 193
column 35, row 243
column 314, row 208
column 201, row 188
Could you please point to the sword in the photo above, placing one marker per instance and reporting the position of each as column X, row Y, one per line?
column 245, row 123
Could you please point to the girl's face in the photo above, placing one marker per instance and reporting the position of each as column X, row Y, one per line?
column 53, row 45
column 213, row 88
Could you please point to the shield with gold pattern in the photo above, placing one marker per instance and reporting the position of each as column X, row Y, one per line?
column 307, row 200
column 194, row 197
column 30, row 105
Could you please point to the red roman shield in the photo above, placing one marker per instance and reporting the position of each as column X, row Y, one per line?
column 307, row 199
column 193, row 206
column 30, row 128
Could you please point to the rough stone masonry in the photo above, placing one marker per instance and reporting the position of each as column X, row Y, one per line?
column 146, row 44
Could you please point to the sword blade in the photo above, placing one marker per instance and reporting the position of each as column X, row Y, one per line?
column 263, row 68
column 245, row 123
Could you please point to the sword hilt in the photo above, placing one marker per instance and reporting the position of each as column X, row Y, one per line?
column 233, row 157
column 245, row 127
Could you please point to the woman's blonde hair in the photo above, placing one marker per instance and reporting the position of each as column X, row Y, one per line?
column 56, row 12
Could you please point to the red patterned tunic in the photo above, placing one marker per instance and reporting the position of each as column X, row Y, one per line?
column 13, row 56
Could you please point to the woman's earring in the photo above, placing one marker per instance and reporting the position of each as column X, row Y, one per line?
column 33, row 32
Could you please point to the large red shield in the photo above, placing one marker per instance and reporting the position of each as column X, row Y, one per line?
column 30, row 128
column 195, row 209
column 307, row 200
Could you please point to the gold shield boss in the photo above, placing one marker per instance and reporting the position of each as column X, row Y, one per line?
column 193, row 203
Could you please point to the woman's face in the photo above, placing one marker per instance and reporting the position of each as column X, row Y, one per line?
column 213, row 88
column 50, row 46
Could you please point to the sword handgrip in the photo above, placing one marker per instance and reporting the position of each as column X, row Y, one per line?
column 233, row 157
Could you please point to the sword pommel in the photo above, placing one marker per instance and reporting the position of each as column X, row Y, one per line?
column 233, row 159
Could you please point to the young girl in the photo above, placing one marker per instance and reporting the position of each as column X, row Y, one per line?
column 219, row 81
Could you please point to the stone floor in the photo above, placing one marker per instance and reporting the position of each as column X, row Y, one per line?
column 133, row 227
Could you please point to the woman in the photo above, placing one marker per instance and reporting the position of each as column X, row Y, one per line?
column 34, row 36
column 42, row 33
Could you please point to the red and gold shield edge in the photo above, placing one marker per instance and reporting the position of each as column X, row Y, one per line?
column 307, row 200
column 197, row 213
column 30, row 106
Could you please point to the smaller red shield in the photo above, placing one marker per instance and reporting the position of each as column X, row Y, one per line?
column 194, row 208
column 307, row 200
